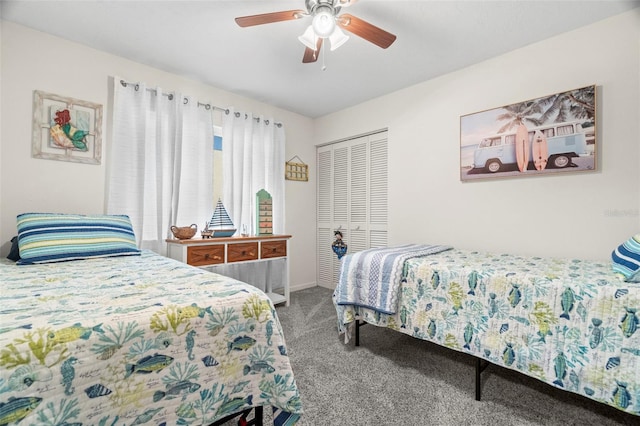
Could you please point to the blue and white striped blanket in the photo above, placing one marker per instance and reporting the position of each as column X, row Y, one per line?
column 371, row 278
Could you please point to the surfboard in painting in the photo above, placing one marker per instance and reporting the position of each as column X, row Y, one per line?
column 539, row 150
column 522, row 147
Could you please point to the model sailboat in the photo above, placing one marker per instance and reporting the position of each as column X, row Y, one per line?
column 220, row 224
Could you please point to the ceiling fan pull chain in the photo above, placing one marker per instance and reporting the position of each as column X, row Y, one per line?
column 323, row 50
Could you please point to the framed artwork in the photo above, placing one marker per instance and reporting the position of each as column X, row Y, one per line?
column 551, row 134
column 296, row 171
column 66, row 129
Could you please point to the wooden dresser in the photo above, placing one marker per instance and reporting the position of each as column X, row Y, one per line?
column 212, row 253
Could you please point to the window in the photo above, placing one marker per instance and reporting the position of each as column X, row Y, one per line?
column 565, row 130
column 217, row 164
column 551, row 132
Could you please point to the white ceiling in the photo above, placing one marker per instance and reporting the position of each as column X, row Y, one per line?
column 200, row 40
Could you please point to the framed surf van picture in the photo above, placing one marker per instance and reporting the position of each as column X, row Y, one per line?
column 551, row 134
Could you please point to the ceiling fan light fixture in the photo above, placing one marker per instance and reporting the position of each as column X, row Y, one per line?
column 337, row 38
column 327, row 22
column 309, row 38
column 324, row 21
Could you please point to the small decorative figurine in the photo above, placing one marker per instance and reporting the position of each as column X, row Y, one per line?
column 339, row 247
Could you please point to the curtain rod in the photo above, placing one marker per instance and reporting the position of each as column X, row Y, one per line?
column 136, row 86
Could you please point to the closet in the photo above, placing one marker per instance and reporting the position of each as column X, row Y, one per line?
column 351, row 197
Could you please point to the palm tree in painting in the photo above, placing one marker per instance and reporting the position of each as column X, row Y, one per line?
column 560, row 107
column 577, row 104
column 517, row 114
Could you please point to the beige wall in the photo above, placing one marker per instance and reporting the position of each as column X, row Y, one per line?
column 31, row 60
column 569, row 215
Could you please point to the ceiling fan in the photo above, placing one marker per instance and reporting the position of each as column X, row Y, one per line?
column 326, row 23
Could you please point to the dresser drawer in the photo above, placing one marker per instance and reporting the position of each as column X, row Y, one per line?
column 205, row 255
column 242, row 251
column 273, row 249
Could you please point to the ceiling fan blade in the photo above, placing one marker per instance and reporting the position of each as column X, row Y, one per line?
column 367, row 31
column 267, row 18
column 311, row 55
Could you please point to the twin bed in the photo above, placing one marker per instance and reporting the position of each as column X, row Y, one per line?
column 570, row 323
column 135, row 339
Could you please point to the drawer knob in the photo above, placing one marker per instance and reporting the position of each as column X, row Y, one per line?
column 244, row 252
column 273, row 250
column 206, row 256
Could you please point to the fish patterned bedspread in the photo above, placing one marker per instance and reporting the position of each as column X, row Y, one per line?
column 137, row 340
column 569, row 323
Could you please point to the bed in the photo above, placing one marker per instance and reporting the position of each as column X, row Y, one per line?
column 570, row 323
column 137, row 338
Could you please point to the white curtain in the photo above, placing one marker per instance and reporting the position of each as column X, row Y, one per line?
column 161, row 162
column 253, row 159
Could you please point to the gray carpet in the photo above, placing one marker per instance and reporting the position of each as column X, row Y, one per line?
column 394, row 379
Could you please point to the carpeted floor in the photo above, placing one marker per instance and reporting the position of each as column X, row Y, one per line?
column 394, row 379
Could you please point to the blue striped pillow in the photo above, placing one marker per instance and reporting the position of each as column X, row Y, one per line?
column 50, row 237
column 626, row 259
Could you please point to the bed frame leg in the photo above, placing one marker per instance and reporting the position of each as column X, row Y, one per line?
column 359, row 324
column 257, row 416
column 478, row 380
column 480, row 366
column 242, row 421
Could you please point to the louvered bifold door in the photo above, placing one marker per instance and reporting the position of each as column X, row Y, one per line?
column 340, row 188
column 324, row 216
column 358, row 195
column 340, row 199
column 378, row 190
column 324, row 238
column 351, row 198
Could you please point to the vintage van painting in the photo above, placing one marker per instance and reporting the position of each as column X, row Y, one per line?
column 551, row 134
